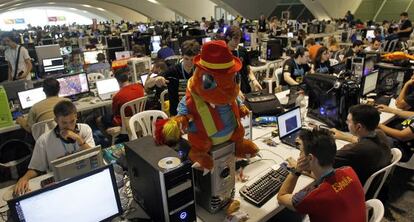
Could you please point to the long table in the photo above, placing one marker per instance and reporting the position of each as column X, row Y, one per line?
column 272, row 156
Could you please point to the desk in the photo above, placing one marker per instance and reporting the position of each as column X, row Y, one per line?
column 81, row 105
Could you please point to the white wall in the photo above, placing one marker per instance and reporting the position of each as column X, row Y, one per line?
column 39, row 17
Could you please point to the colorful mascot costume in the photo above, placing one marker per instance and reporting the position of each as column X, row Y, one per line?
column 210, row 111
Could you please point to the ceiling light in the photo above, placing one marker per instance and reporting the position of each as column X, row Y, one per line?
column 154, row 1
column 51, row 3
column 87, row 6
column 74, row 9
column 11, row 9
column 84, row 11
column 101, row 9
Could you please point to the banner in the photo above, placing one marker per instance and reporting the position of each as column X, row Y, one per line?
column 9, row 21
column 61, row 18
column 52, row 19
column 19, row 21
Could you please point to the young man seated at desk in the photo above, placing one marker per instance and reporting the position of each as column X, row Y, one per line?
column 369, row 149
column 296, row 67
column 42, row 110
column 336, row 195
column 68, row 137
column 128, row 92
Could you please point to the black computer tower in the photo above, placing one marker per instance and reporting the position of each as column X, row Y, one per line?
column 161, row 183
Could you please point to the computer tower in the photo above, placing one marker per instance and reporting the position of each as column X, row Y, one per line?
column 215, row 190
column 139, row 66
column 274, row 49
column 160, row 182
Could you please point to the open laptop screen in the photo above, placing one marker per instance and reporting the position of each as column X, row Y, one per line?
column 289, row 122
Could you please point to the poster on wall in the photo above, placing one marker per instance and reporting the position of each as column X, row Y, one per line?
column 61, row 18
column 9, row 21
column 52, row 19
column 19, row 21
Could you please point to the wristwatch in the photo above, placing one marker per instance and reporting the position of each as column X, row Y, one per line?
column 294, row 172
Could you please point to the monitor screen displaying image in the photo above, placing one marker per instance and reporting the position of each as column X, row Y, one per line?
column 155, row 43
column 53, row 65
column 67, row 50
column 73, row 85
column 30, row 97
column 122, row 55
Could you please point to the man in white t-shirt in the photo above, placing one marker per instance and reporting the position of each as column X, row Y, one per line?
column 68, row 137
column 24, row 64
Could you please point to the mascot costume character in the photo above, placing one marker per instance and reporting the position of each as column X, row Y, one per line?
column 210, row 111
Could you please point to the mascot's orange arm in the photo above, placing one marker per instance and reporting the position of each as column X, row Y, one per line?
column 397, row 56
column 244, row 111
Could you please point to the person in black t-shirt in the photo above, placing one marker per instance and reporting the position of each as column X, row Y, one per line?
column 248, row 79
column 356, row 50
column 176, row 77
column 369, row 149
column 295, row 68
column 405, row 28
column 322, row 63
column 405, row 99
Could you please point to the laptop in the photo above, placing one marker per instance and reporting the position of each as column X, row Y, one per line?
column 144, row 77
column 30, row 97
column 290, row 125
column 107, row 88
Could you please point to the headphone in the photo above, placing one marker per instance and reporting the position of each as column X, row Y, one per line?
column 69, row 140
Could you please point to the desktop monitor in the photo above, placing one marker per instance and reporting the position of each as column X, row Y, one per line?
column 290, row 35
column 155, row 43
column 66, row 50
column 47, row 51
column 142, row 28
column 53, row 65
column 284, row 40
column 122, row 55
column 369, row 64
column 274, row 49
column 73, row 85
column 77, row 163
column 90, row 197
column 369, row 83
column 90, row 57
column 30, row 97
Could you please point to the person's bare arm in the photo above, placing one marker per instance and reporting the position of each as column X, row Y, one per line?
column 252, row 78
column 402, row 135
column 288, row 79
column 400, row 102
column 22, row 185
column 28, row 69
column 398, row 112
column 10, row 71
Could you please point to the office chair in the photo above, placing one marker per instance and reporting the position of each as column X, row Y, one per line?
column 396, row 156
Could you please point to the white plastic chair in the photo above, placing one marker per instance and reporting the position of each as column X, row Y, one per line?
column 378, row 210
column 42, row 127
column 396, row 156
column 163, row 99
column 408, row 165
column 136, row 106
column 333, row 62
column 146, row 120
column 93, row 77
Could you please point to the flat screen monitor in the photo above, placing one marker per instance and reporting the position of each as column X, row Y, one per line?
column 206, row 39
column 107, row 86
column 284, row 40
column 91, row 57
column 47, row 51
column 369, row 64
column 142, row 28
column 67, row 50
column 30, row 97
column 53, row 65
column 73, row 85
column 77, row 163
column 369, row 83
column 155, row 43
column 122, row 55
column 90, row 197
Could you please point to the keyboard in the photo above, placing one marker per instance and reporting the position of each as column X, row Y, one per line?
column 259, row 191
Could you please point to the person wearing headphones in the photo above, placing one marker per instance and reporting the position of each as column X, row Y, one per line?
column 101, row 66
column 295, row 68
column 68, row 137
column 248, row 79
